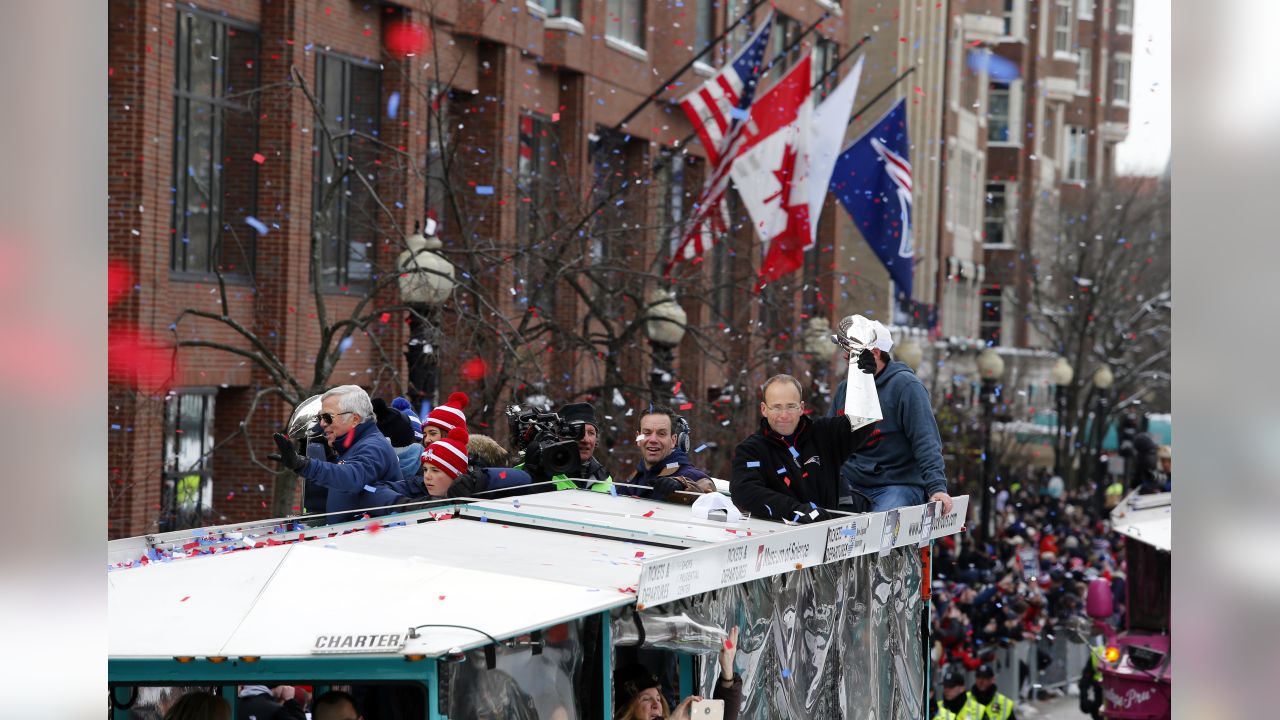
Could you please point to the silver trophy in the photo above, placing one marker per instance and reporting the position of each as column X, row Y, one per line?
column 855, row 333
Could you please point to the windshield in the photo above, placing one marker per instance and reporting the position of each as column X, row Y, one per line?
column 1149, row 572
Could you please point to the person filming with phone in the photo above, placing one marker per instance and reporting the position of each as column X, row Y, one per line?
column 637, row 693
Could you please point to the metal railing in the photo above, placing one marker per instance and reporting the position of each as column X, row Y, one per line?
column 1018, row 671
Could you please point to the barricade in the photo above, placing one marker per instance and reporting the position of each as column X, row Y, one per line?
column 1018, row 672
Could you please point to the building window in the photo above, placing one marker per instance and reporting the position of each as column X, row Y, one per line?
column 187, row 492
column 536, row 167
column 1007, row 15
column 825, row 55
column 672, row 202
column 964, row 198
column 991, row 315
column 215, row 137
column 705, row 25
column 1124, row 16
column 785, row 31
column 1120, row 80
column 1077, row 153
column 344, row 210
column 562, row 8
column 1086, row 10
column 625, row 21
column 1084, row 72
column 438, row 139
column 998, row 227
column 1062, row 26
column 998, row 129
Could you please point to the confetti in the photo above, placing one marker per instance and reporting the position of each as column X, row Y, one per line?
column 256, row 224
column 259, row 158
column 700, row 448
column 393, row 105
column 484, row 189
column 786, row 673
column 753, row 463
column 648, row 514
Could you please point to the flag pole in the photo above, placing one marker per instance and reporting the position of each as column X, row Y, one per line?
column 684, row 68
column 840, row 61
column 882, row 93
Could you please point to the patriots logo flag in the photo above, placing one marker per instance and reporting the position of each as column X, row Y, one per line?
column 872, row 180
column 718, row 110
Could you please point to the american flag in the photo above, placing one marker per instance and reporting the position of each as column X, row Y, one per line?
column 719, row 110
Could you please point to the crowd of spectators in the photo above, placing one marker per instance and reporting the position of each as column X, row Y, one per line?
column 1028, row 582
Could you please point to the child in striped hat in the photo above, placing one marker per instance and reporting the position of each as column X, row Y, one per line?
column 444, row 461
column 445, row 418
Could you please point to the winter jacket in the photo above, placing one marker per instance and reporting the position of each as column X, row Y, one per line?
column 365, row 463
column 784, row 477
column 410, row 459
column 910, row 449
column 732, row 697
column 677, row 463
column 262, row 706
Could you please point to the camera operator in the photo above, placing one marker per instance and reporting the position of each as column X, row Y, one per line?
column 559, row 447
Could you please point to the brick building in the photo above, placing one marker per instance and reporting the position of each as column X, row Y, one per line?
column 504, row 126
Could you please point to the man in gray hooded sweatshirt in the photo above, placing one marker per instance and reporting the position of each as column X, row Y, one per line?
column 905, row 468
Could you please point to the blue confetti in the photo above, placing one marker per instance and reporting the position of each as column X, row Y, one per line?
column 346, row 343
column 613, row 490
column 782, row 471
column 794, row 453
column 768, row 510
column 700, row 448
column 753, row 463
column 484, row 519
column 813, row 505
column 785, row 673
column 256, row 224
column 850, row 532
column 738, row 113
column 393, row 105
column 484, row 189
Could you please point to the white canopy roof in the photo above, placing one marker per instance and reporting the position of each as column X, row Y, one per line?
column 498, row 568
column 1146, row 518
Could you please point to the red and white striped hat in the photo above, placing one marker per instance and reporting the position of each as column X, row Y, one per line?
column 449, row 415
column 449, row 454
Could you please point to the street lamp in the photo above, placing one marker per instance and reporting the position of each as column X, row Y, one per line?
column 426, row 281
column 990, row 369
column 909, row 352
column 1060, row 376
column 1103, row 379
column 665, row 327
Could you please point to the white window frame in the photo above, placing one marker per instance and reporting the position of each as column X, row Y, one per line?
column 1010, row 221
column 1084, row 72
column 1075, row 161
column 1123, row 28
column 1015, row 116
column 1067, row 48
column 1085, row 10
column 1121, row 79
column 1014, row 13
column 626, row 11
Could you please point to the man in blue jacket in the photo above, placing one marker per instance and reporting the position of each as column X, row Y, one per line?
column 665, row 461
column 905, row 468
column 366, row 462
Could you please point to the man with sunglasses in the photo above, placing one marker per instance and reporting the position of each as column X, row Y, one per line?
column 366, row 462
column 788, row 470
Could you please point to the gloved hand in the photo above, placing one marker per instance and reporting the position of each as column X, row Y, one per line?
column 288, row 457
column 664, row 486
column 867, row 362
column 808, row 515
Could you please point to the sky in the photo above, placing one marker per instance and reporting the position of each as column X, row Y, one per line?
column 1146, row 150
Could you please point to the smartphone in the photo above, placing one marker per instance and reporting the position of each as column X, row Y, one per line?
column 707, row 710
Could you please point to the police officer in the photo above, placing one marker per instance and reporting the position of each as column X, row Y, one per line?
column 956, row 704
column 992, row 704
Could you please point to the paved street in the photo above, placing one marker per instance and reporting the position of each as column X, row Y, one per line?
column 1063, row 708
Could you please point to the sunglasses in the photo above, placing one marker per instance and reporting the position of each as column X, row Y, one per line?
column 327, row 418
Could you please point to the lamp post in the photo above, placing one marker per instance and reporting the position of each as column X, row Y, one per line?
column 665, row 327
column 1060, row 376
column 426, row 281
column 1103, row 379
column 990, row 369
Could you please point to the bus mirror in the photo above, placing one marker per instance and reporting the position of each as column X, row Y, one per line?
column 1098, row 603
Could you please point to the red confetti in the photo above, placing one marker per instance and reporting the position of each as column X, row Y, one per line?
column 474, row 369
column 407, row 38
column 375, row 526
column 728, row 644
column 648, row 514
column 639, row 553
column 185, row 599
column 441, row 597
column 259, row 158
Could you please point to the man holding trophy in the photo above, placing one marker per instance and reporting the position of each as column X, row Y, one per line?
column 906, row 467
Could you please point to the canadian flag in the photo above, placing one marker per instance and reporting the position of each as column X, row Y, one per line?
column 771, row 172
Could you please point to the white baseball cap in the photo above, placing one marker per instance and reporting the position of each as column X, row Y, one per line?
column 884, row 339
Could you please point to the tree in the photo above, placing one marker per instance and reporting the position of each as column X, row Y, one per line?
column 1100, row 294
